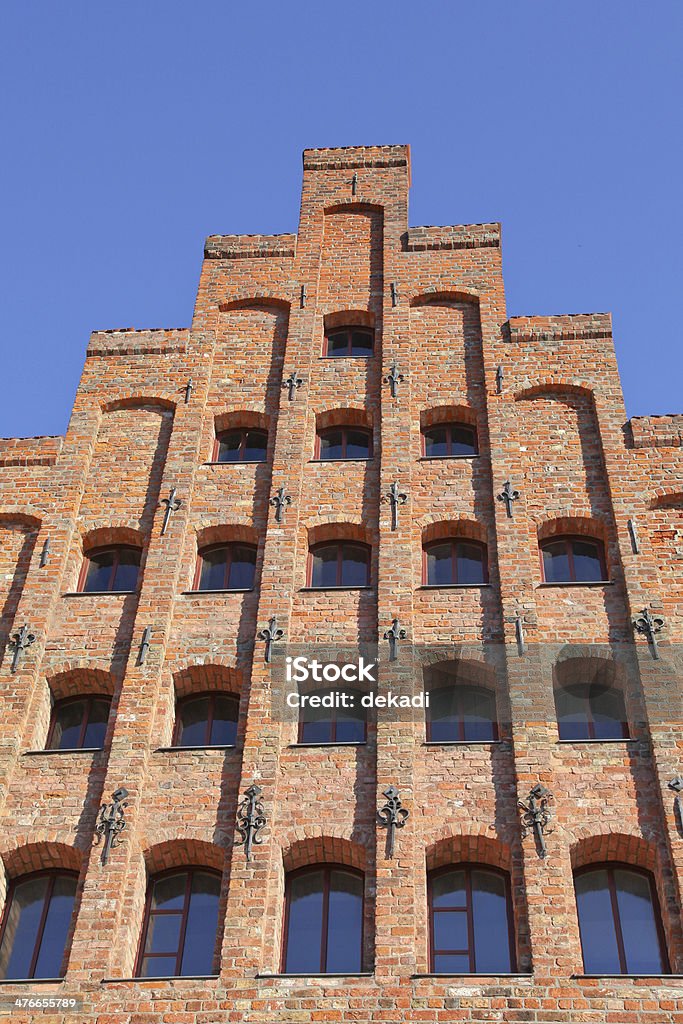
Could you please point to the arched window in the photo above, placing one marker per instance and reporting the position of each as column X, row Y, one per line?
column 110, row 569
column 454, row 561
column 458, row 713
column 573, row 560
column 226, row 567
column 349, row 341
column 206, row 720
column 470, row 921
column 79, row 723
column 619, row 921
column 591, row 711
column 338, row 444
column 318, row 724
column 180, row 925
column 449, row 441
column 243, row 444
column 323, row 921
column 339, row 564
column 36, row 924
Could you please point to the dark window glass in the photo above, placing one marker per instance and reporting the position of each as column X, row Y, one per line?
column 36, row 926
column 450, row 440
column 113, row 569
column 470, row 915
column 455, row 561
column 324, row 922
column 572, row 560
column 333, row 725
column 340, row 564
column 79, row 722
column 349, row 341
column 241, row 445
column 461, row 713
column 340, row 443
column 181, row 923
column 590, row 711
column 619, row 922
column 206, row 720
column 226, row 567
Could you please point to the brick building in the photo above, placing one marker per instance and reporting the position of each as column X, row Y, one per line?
column 387, row 351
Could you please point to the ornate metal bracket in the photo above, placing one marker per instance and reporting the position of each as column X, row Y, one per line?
column 44, row 554
column 111, row 822
column 19, row 643
column 280, row 501
column 649, row 625
column 499, row 380
column 677, row 786
column 396, row 498
column 392, row 816
column 354, row 183
column 519, row 634
column 394, row 293
column 188, row 391
column 633, row 533
column 172, row 505
column 393, row 635
column 145, row 645
column 302, row 297
column 293, row 382
column 271, row 634
column 393, row 379
column 251, row 820
column 536, row 816
column 508, row 495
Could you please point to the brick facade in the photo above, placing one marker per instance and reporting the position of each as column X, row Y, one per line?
column 554, row 426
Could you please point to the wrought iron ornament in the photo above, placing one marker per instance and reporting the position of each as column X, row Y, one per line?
column 394, row 294
column 649, row 625
column 251, row 820
column 499, row 380
column 293, row 382
column 188, row 391
column 45, row 554
column 280, row 501
column 111, row 822
column 508, row 495
column 536, row 816
column 172, row 505
column 354, row 183
column 393, row 379
column 396, row 498
column 677, row 786
column 271, row 634
column 633, row 533
column 302, row 299
column 393, row 635
column 145, row 645
column 519, row 634
column 392, row 816
column 19, row 643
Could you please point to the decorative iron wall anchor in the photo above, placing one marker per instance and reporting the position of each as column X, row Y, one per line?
column 393, row 635
column 302, row 299
column 394, row 293
column 271, row 634
column 508, row 495
column 19, row 643
column 293, row 382
column 188, row 391
column 145, row 645
column 393, row 379
column 633, row 532
column 677, row 786
column 280, row 501
column 251, row 820
column 536, row 816
column 172, row 505
column 392, row 816
column 354, row 183
column 649, row 625
column 396, row 498
column 519, row 634
column 111, row 822
column 499, row 380
column 45, row 554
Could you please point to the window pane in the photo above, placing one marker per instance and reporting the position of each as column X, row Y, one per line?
column 440, row 564
column 449, row 890
column 202, row 925
column 242, row 565
column 586, row 562
column 450, row 930
column 316, row 725
column 354, row 566
column 158, row 967
column 169, row 892
column 361, row 343
column 331, row 444
column 304, row 927
column 56, row 929
column 609, row 713
column 97, row 724
column 351, row 723
column 338, row 344
column 491, row 934
column 324, row 572
column 194, row 717
column 163, row 933
column 571, row 703
column 224, row 725
column 229, row 446
column 556, row 563
column 213, row 569
column 449, row 964
column 255, row 446
column 21, row 928
column 443, row 715
column 68, row 719
column 470, row 563
column 596, row 923
column 99, row 572
column 357, row 444
column 479, row 713
column 436, row 441
column 126, row 576
column 462, row 441
column 638, row 923
column 345, row 923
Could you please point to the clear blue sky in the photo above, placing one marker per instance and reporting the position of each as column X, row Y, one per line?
column 132, row 130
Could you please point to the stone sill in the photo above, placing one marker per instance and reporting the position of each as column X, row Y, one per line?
column 163, row 977
column 240, row 462
column 32, row 981
column 663, row 978
column 577, row 583
column 440, row 458
column 480, row 977
column 63, row 750
column 336, row 462
column 341, row 743
column 453, row 586
column 174, row 750
column 99, row 593
column 322, row 977
column 322, row 590
column 339, row 359
column 461, row 743
column 616, row 739
column 232, row 590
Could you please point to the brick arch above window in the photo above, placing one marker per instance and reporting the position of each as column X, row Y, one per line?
column 444, row 297
column 263, row 300
column 471, row 847
column 112, row 535
column 592, row 846
column 226, row 533
column 244, row 417
column 141, row 401
column 25, row 858
column 207, row 678
column 20, row 516
column 323, row 849
column 554, row 388
column 348, row 318
column 183, row 853
column 329, row 532
column 436, row 415
column 667, row 499
column 80, row 682
column 348, row 416
column 572, row 525
column 463, row 528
